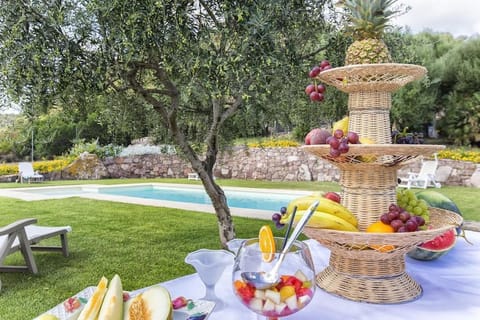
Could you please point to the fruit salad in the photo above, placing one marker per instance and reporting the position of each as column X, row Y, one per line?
column 291, row 294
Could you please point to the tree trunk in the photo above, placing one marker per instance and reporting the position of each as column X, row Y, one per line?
column 226, row 229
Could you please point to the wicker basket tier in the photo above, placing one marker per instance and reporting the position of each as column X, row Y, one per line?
column 368, row 175
column 381, row 77
column 370, row 267
column 369, row 156
column 369, row 100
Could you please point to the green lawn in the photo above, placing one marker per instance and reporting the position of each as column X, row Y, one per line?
column 144, row 245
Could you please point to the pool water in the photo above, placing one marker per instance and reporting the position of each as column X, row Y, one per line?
column 237, row 199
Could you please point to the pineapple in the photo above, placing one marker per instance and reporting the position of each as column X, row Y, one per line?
column 368, row 19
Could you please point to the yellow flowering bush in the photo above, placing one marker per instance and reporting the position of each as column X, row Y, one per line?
column 8, row 168
column 472, row 155
column 273, row 143
column 40, row 166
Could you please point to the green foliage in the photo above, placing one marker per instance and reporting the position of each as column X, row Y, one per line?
column 94, row 147
column 460, row 93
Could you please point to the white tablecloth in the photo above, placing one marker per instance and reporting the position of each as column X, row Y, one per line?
column 451, row 290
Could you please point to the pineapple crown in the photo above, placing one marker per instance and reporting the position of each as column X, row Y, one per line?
column 368, row 18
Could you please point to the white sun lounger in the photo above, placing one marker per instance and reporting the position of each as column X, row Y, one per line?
column 24, row 236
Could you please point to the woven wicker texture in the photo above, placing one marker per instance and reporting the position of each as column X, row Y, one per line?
column 371, row 156
column 349, row 243
column 385, row 77
column 372, row 124
column 370, row 267
column 401, row 288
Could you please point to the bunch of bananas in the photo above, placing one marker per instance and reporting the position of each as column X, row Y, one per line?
column 329, row 214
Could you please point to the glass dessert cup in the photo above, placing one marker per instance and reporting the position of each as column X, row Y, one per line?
column 210, row 265
column 297, row 279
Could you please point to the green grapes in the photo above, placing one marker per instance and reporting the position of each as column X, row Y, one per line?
column 407, row 200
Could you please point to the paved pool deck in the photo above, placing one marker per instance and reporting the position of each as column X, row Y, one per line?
column 35, row 194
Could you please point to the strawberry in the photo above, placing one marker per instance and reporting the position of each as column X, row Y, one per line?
column 71, row 304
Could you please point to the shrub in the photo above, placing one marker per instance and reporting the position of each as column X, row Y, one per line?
column 52, row 165
column 140, row 149
column 93, row 147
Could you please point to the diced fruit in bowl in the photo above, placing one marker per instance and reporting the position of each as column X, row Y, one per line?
column 292, row 293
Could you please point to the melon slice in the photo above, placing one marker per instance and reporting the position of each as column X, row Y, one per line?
column 112, row 307
column 153, row 304
column 92, row 308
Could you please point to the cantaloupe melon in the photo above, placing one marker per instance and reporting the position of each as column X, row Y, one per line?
column 153, row 304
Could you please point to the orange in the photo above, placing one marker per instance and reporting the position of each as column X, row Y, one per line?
column 380, row 227
column 266, row 243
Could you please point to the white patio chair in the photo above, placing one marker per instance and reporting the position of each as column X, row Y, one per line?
column 424, row 179
column 26, row 173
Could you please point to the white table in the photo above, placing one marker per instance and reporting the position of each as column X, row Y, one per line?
column 451, row 290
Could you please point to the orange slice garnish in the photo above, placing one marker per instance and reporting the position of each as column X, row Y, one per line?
column 266, row 243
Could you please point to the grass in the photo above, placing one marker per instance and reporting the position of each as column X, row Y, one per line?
column 144, row 245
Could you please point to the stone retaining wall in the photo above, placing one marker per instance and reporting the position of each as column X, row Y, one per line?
column 274, row 164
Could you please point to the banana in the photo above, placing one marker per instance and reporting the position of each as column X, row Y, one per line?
column 341, row 124
column 323, row 220
column 303, row 203
column 325, row 205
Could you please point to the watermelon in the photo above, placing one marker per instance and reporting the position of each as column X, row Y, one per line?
column 437, row 200
column 435, row 248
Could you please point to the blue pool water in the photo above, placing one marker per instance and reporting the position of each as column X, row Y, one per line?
column 238, row 199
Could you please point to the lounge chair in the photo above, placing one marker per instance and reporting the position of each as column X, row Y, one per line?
column 26, row 173
column 24, row 236
column 424, row 179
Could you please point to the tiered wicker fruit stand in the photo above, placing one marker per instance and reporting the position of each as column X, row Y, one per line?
column 365, row 266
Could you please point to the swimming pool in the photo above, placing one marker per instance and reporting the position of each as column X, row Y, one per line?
column 237, row 199
column 191, row 197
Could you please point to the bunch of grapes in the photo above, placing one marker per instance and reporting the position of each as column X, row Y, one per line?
column 401, row 220
column 339, row 142
column 277, row 216
column 407, row 138
column 407, row 200
column 316, row 91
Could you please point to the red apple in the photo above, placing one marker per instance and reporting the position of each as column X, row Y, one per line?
column 308, row 137
column 319, row 136
column 332, row 196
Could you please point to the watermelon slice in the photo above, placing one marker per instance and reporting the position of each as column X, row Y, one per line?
column 435, row 248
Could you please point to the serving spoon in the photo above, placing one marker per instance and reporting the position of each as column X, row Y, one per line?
column 264, row 280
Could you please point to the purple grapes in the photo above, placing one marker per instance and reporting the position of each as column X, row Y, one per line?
column 401, row 220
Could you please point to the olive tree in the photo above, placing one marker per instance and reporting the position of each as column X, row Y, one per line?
column 196, row 63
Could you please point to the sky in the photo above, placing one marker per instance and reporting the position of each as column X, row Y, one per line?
column 458, row 17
